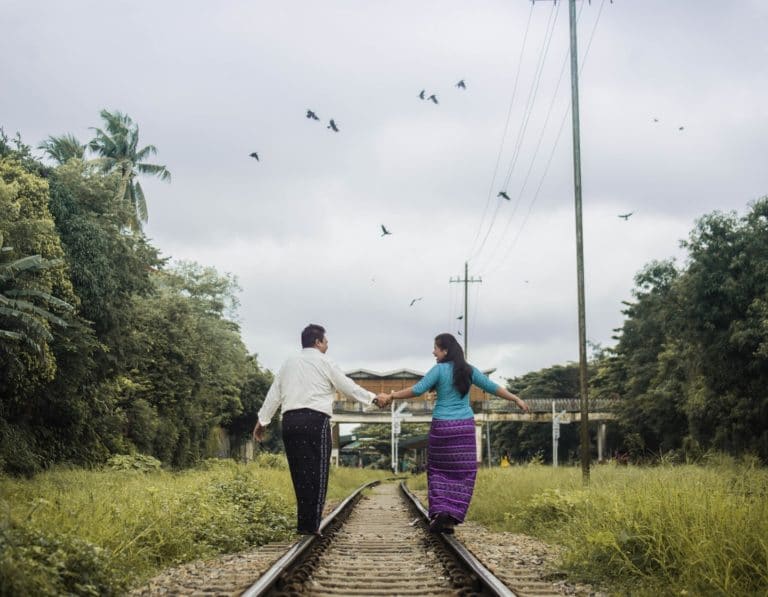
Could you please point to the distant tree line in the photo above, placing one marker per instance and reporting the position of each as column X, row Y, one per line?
column 690, row 363
column 105, row 348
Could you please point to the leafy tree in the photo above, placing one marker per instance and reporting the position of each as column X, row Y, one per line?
column 252, row 395
column 645, row 369
column 187, row 363
column 107, row 266
column 64, row 148
column 35, row 287
column 118, row 149
column 725, row 303
column 691, row 363
column 43, row 382
column 20, row 153
column 523, row 441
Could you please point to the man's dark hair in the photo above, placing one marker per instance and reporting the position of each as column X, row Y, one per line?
column 311, row 334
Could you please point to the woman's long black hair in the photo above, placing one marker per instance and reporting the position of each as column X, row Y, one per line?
column 462, row 371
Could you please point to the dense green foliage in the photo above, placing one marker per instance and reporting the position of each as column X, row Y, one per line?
column 691, row 362
column 106, row 348
column 690, row 366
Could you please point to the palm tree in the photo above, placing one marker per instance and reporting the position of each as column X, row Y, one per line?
column 117, row 148
column 64, row 148
column 24, row 311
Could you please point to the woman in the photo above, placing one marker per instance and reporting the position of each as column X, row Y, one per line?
column 452, row 453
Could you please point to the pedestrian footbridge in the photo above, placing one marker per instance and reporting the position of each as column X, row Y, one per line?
column 486, row 407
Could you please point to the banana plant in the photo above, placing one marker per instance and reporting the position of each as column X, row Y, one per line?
column 25, row 316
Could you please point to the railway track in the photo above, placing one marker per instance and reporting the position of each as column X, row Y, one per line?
column 378, row 544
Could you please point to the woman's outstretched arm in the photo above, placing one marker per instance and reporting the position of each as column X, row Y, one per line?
column 503, row 392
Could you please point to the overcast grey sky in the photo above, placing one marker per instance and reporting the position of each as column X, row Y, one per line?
column 211, row 82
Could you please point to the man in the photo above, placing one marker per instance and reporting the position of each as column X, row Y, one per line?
column 305, row 388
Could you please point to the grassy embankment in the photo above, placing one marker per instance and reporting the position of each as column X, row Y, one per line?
column 695, row 530
column 666, row 530
column 101, row 532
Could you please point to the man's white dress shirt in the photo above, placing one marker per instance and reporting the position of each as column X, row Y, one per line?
column 310, row 380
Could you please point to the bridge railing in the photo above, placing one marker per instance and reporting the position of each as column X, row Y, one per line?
column 494, row 405
column 543, row 405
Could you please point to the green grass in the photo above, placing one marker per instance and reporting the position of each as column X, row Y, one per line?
column 101, row 532
column 668, row 530
column 695, row 530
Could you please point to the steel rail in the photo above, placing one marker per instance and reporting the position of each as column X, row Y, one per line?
column 268, row 580
column 487, row 579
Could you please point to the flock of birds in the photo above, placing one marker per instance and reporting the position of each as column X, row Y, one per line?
column 680, row 128
column 432, row 97
column 312, row 115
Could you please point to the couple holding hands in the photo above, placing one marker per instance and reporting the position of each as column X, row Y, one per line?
column 305, row 388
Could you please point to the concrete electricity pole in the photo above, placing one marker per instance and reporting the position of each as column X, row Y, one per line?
column 583, row 398
column 584, row 430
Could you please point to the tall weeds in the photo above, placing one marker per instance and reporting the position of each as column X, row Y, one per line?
column 100, row 532
column 699, row 530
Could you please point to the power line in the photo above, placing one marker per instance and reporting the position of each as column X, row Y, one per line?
column 527, row 111
column 510, row 218
column 530, row 101
column 506, row 129
column 500, row 262
column 521, row 131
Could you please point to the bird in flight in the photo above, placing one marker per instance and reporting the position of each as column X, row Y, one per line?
column 458, row 332
column 504, row 195
column 421, row 95
column 255, row 156
column 460, row 317
column 433, row 98
column 312, row 115
column 332, row 126
column 415, row 301
column 680, row 128
column 626, row 215
column 384, row 230
column 461, row 84
column 655, row 119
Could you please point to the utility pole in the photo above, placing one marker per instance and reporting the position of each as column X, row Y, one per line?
column 584, row 429
column 583, row 398
column 467, row 280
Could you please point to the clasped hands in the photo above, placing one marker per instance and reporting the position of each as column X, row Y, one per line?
column 383, row 400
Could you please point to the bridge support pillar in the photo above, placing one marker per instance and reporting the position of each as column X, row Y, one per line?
column 601, row 431
column 479, row 441
column 335, row 444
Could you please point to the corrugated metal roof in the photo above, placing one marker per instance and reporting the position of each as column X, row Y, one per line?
column 395, row 374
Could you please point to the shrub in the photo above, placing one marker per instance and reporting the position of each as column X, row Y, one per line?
column 133, row 462
column 269, row 460
column 237, row 513
column 550, row 508
column 17, row 452
column 36, row 563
